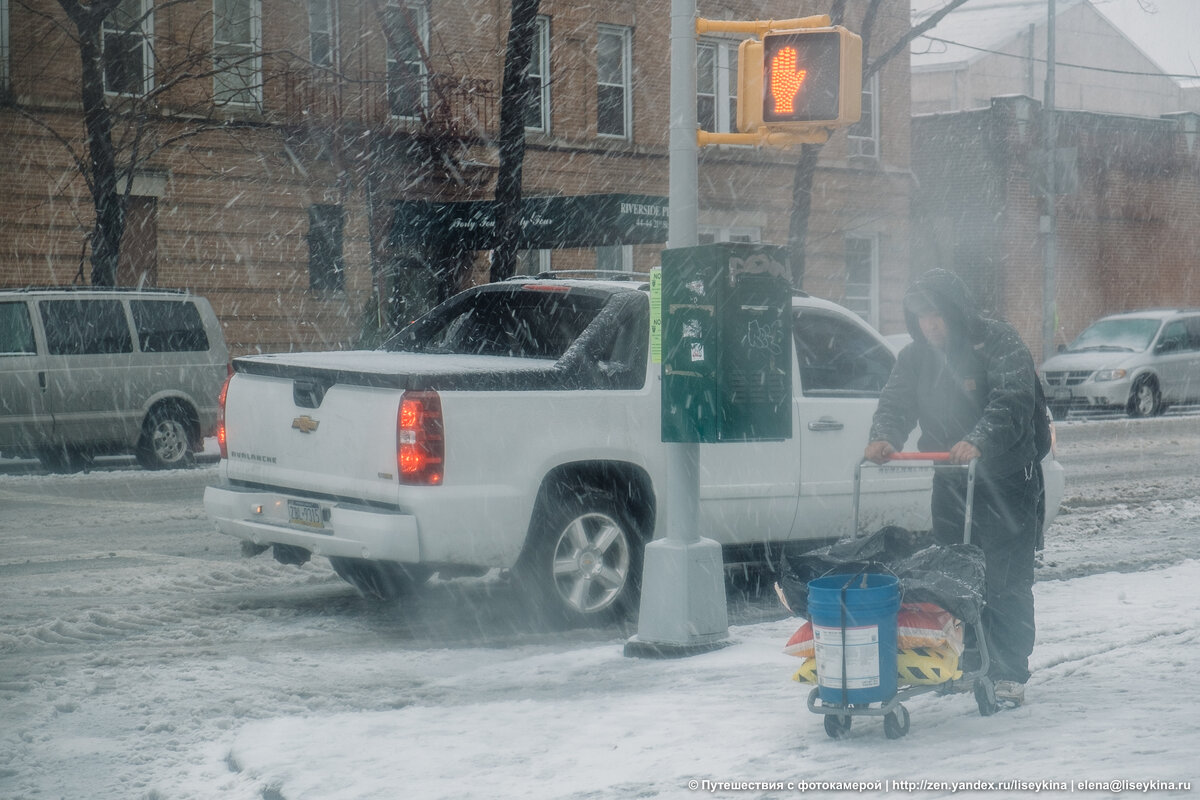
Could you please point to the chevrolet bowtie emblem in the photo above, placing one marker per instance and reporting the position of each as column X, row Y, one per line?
column 305, row 424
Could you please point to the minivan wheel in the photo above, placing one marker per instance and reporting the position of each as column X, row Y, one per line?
column 1145, row 399
column 165, row 441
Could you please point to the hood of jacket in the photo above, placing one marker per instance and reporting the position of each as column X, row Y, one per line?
column 946, row 293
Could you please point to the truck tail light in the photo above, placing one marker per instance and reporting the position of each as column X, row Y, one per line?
column 221, row 439
column 420, row 438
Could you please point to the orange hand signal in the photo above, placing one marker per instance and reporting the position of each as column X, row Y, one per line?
column 785, row 80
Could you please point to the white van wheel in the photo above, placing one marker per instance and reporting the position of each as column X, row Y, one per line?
column 165, row 442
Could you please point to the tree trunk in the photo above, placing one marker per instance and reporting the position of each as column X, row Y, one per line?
column 513, row 100
column 802, row 185
column 109, row 205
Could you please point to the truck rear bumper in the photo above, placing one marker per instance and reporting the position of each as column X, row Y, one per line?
column 329, row 528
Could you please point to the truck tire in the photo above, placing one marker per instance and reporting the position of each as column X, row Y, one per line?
column 166, row 439
column 584, row 563
column 381, row 580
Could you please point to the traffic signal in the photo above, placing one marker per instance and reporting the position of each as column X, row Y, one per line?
column 798, row 80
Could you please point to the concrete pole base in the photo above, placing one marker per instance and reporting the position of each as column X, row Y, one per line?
column 683, row 609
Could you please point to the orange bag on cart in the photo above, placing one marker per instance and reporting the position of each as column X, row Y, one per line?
column 927, row 625
column 801, row 643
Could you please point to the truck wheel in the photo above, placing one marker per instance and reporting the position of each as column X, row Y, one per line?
column 1145, row 399
column 382, row 580
column 165, row 442
column 585, row 562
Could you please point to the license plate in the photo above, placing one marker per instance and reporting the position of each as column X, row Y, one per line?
column 307, row 514
column 1060, row 393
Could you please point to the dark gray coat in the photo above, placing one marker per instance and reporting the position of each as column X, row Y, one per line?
column 980, row 391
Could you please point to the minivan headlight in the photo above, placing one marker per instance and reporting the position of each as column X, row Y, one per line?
column 1109, row 375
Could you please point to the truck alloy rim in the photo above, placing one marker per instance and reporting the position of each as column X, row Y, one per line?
column 591, row 562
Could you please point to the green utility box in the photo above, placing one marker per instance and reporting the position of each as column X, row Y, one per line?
column 726, row 343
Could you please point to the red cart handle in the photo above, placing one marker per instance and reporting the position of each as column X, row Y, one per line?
column 919, row 457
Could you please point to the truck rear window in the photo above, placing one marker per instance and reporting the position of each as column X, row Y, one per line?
column 524, row 323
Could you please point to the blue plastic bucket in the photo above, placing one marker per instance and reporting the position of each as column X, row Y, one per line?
column 854, row 632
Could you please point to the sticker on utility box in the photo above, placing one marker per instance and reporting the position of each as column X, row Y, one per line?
column 697, row 351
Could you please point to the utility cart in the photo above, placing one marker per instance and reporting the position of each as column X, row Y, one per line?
column 949, row 577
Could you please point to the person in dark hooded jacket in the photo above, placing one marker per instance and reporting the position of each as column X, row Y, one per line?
column 969, row 382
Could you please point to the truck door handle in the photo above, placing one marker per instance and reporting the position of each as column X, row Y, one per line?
column 826, row 424
column 42, row 380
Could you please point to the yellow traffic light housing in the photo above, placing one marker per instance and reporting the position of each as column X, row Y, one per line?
column 798, row 80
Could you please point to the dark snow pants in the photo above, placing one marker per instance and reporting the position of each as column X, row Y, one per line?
column 1004, row 526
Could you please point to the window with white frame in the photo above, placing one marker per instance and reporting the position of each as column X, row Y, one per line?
column 613, row 77
column 862, row 277
column 533, row 262
column 322, row 33
column 615, row 258
column 537, row 104
column 237, row 52
column 716, row 85
column 864, row 134
column 407, row 32
column 127, row 46
column 708, row 234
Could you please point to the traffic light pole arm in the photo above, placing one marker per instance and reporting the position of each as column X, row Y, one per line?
column 758, row 27
column 764, row 138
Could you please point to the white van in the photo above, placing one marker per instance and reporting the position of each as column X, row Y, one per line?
column 87, row 371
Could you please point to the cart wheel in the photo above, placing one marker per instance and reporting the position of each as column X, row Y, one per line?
column 985, row 697
column 895, row 723
column 837, row 726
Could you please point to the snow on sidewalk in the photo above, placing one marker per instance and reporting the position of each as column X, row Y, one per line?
column 1114, row 697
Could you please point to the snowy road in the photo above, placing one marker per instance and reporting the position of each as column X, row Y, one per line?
column 135, row 643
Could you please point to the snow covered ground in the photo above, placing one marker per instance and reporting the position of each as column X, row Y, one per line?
column 1114, row 698
column 140, row 657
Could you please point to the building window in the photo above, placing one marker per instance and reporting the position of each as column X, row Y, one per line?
column 864, row 134
column 237, row 52
column 533, row 262
column 322, row 33
column 137, row 261
column 126, row 42
column 716, row 85
column 407, row 39
column 615, row 258
column 326, row 270
column 613, row 75
column 708, row 234
column 862, row 277
column 537, row 103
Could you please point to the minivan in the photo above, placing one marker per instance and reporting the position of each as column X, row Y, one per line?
column 1138, row 361
column 88, row 371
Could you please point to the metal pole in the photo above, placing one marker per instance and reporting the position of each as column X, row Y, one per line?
column 683, row 609
column 1050, row 219
column 683, row 460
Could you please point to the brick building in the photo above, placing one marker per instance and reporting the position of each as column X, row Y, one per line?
column 269, row 147
column 1128, row 218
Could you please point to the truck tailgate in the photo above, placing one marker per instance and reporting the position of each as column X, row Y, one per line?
column 345, row 446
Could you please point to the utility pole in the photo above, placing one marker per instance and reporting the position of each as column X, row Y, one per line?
column 683, row 585
column 1050, row 181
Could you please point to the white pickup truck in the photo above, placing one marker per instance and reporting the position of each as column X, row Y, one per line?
column 516, row 426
